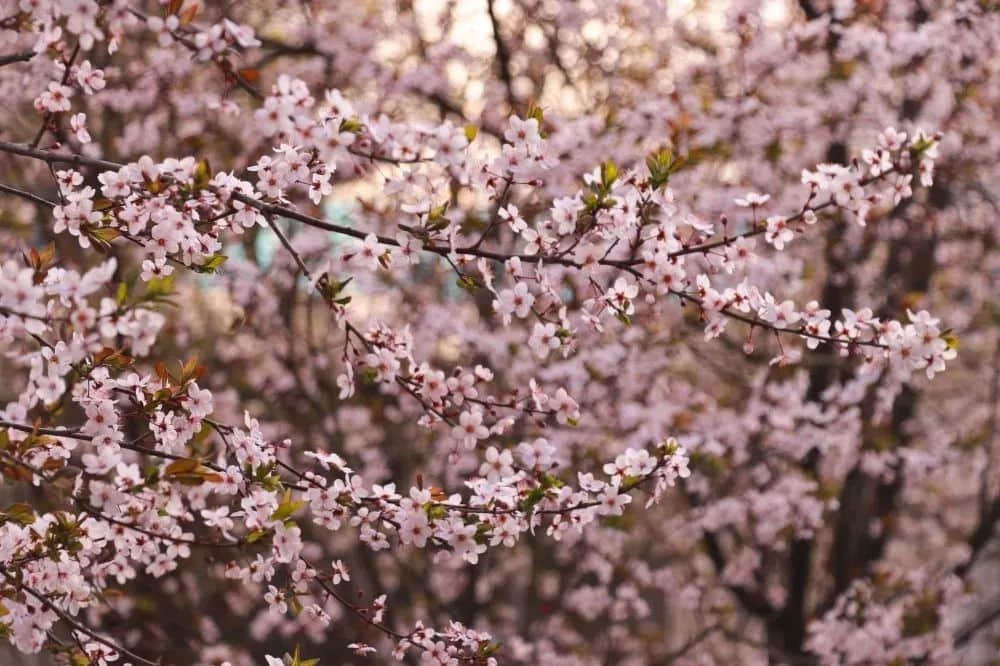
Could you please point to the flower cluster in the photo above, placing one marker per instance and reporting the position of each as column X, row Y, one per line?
column 480, row 333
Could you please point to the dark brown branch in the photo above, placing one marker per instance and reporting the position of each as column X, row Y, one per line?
column 983, row 621
column 23, row 56
column 76, row 626
column 503, row 56
column 26, row 195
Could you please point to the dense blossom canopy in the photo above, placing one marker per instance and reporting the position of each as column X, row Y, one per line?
column 499, row 331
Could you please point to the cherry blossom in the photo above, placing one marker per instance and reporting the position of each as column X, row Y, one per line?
column 458, row 333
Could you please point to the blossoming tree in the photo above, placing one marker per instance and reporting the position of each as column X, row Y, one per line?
column 499, row 332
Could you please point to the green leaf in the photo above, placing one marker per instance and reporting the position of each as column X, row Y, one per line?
column 950, row 339
column 287, row 507
column 535, row 111
column 772, row 152
column 214, row 263
column 489, row 648
column 295, row 605
column 468, row 282
column 297, row 660
column 161, row 286
column 202, row 175
column 532, row 499
column 122, row 294
column 352, row 125
column 662, row 164
column 609, row 173
column 471, row 132
column 549, row 481
column 921, row 145
column 101, row 236
column 435, row 511
column 105, row 234
column 437, row 213
column 330, row 288
column 437, row 224
column 255, row 536
column 19, row 513
column 182, row 466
